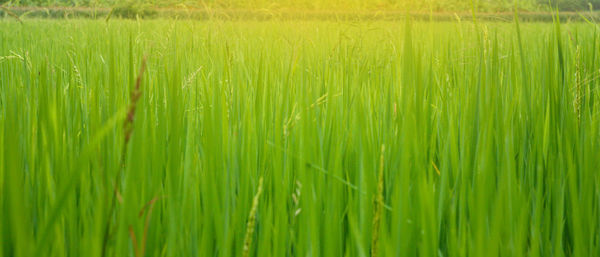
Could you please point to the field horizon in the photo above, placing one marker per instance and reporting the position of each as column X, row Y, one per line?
column 241, row 14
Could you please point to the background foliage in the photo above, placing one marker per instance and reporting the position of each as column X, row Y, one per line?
column 414, row 5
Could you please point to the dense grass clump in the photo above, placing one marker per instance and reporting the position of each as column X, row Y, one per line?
column 299, row 139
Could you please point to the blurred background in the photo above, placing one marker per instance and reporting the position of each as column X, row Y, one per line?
column 352, row 5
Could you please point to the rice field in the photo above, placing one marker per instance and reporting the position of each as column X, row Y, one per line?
column 299, row 138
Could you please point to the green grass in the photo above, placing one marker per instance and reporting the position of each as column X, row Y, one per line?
column 491, row 137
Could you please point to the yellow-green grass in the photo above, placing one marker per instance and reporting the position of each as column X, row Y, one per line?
column 491, row 134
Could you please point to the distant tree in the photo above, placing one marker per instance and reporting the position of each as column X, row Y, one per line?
column 573, row 5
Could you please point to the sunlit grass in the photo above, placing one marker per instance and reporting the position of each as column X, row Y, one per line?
column 492, row 143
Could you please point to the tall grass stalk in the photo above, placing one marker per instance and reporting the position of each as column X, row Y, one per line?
column 252, row 220
column 127, row 131
column 378, row 207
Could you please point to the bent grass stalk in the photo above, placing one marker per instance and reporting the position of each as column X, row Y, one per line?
column 140, row 250
column 12, row 14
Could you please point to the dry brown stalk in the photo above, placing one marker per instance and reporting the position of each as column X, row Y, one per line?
column 378, row 208
column 127, row 130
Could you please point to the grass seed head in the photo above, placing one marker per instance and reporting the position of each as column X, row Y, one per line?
column 252, row 220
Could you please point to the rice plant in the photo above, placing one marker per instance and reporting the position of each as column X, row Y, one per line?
column 299, row 138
